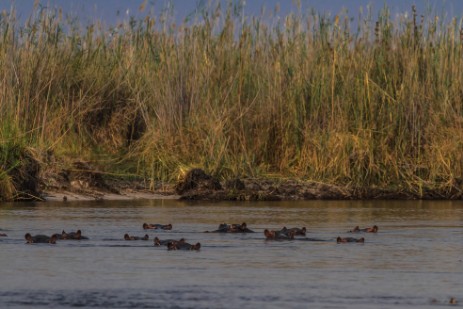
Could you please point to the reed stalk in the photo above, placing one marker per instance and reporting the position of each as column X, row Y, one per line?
column 300, row 96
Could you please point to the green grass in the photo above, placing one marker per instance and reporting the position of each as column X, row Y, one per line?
column 304, row 96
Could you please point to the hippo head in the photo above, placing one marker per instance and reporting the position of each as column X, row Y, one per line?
column 269, row 234
column 291, row 234
column 172, row 245
column 304, row 230
column 223, row 226
column 72, row 235
column 375, row 229
column 77, row 235
column 196, row 247
column 126, row 237
column 28, row 237
column 53, row 239
column 145, row 226
column 146, row 237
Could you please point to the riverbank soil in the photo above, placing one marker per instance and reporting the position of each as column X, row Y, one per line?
column 43, row 177
column 85, row 182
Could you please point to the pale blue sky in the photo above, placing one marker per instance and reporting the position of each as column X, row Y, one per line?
column 106, row 10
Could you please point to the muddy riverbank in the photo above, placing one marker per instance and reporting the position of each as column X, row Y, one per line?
column 198, row 185
column 46, row 178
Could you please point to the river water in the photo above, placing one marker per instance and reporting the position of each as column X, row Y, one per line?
column 415, row 259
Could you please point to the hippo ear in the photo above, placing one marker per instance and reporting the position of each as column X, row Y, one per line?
column 243, row 225
column 304, row 229
column 79, row 233
column 375, row 228
column 63, row 233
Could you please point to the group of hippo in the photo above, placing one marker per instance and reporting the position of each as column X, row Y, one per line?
column 53, row 238
column 180, row 244
column 172, row 244
column 289, row 233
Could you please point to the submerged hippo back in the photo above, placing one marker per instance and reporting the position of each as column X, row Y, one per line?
column 165, row 242
column 40, row 239
column 341, row 240
column 183, row 246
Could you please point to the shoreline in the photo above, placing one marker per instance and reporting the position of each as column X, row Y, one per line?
column 85, row 182
column 64, row 196
column 247, row 190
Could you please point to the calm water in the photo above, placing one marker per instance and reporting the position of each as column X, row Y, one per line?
column 415, row 260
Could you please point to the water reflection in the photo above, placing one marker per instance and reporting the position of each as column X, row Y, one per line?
column 415, row 257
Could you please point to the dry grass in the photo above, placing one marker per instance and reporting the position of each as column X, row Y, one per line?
column 304, row 96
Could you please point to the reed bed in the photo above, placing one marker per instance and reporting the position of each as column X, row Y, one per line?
column 303, row 96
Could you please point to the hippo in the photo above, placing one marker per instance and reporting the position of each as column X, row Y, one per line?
column 128, row 237
column 232, row 228
column 340, row 240
column 165, row 242
column 40, row 239
column 147, row 226
column 278, row 235
column 372, row 229
column 3, row 235
column 223, row 228
column 70, row 236
column 297, row 231
column 175, row 245
column 240, row 228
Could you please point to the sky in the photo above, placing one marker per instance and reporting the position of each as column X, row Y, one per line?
column 112, row 11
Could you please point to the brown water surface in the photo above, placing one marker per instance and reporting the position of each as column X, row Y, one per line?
column 414, row 260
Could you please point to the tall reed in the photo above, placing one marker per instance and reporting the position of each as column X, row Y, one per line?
column 301, row 96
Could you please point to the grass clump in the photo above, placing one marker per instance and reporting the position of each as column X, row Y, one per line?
column 18, row 173
column 299, row 96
